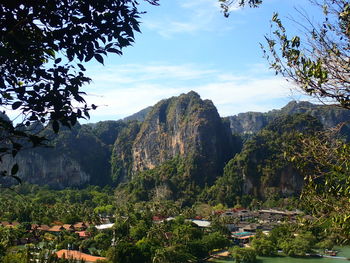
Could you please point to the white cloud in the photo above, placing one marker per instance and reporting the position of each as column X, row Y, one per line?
column 132, row 73
column 199, row 4
column 197, row 16
column 122, row 90
column 145, row 85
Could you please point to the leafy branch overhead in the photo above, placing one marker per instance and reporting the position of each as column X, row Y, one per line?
column 319, row 62
column 43, row 45
column 227, row 4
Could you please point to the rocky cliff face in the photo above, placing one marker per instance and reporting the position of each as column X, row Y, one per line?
column 45, row 168
column 73, row 157
column 262, row 163
column 248, row 123
column 184, row 126
column 288, row 182
column 252, row 122
column 121, row 160
column 180, row 127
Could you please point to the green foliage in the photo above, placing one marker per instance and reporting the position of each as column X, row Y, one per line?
column 147, row 248
column 103, row 240
column 243, row 255
column 43, row 75
column 296, row 247
column 326, row 244
column 184, row 233
column 324, row 162
column 264, row 246
column 291, row 242
column 139, row 231
column 215, row 240
column 108, row 131
column 227, row 188
column 280, row 234
column 226, row 4
column 14, row 258
column 121, row 158
column 169, row 181
column 173, row 254
column 44, row 206
column 317, row 62
column 263, row 162
column 125, row 252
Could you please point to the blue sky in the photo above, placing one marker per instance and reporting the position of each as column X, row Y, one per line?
column 189, row 45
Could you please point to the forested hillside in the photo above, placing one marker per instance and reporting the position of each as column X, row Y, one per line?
column 181, row 149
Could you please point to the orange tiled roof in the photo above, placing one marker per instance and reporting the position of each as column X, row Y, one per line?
column 82, row 233
column 44, row 227
column 9, row 224
column 34, row 226
column 74, row 254
column 80, row 226
column 56, row 228
column 68, row 227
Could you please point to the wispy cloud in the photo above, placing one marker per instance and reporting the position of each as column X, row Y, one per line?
column 129, row 88
column 132, row 73
column 197, row 16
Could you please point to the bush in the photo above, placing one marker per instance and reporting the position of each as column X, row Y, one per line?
column 243, row 255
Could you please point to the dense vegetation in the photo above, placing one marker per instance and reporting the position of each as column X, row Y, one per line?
column 267, row 170
column 134, row 237
column 41, row 205
column 263, row 162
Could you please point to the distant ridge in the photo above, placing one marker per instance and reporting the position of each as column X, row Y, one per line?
column 253, row 122
column 138, row 116
column 184, row 132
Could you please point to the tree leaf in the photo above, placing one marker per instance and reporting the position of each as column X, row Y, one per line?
column 16, row 105
column 58, row 60
column 82, row 68
column 14, row 169
column 99, row 58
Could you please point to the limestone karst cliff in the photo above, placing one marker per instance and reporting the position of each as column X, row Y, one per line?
column 184, row 126
column 186, row 133
column 252, row 122
column 73, row 157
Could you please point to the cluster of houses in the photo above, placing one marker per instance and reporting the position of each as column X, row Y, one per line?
column 78, row 228
column 242, row 224
column 38, row 230
column 77, row 255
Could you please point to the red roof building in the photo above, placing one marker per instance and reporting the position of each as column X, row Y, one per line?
column 56, row 229
column 77, row 255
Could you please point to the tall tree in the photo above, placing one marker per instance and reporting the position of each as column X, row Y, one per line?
column 318, row 62
column 42, row 47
